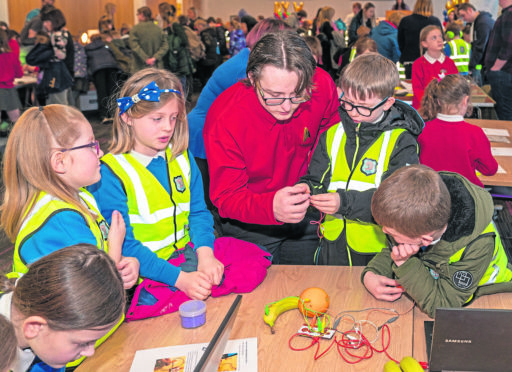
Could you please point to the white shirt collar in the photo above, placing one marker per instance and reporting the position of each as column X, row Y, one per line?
column 431, row 59
column 450, row 117
column 145, row 159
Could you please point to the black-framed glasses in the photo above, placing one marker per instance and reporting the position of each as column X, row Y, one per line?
column 94, row 144
column 275, row 101
column 361, row 110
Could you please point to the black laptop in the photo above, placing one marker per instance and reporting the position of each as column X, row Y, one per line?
column 471, row 340
column 212, row 356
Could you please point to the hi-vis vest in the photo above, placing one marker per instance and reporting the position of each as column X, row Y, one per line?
column 497, row 271
column 159, row 220
column 401, row 70
column 45, row 206
column 353, row 53
column 362, row 237
column 460, row 54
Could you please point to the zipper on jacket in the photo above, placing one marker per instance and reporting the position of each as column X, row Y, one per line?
column 173, row 203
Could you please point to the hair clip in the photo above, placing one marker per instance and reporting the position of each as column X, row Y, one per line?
column 150, row 92
column 40, row 108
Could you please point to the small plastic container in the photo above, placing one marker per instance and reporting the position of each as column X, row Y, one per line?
column 193, row 314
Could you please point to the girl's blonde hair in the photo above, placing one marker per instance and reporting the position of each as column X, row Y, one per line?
column 73, row 288
column 27, row 168
column 123, row 138
column 326, row 14
column 424, row 8
column 445, row 95
column 424, row 34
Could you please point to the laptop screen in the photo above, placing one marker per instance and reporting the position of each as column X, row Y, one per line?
column 471, row 340
column 212, row 356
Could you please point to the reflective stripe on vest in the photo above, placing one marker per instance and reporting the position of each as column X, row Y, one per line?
column 159, row 222
column 46, row 206
column 352, row 56
column 460, row 54
column 497, row 271
column 401, row 70
column 362, row 237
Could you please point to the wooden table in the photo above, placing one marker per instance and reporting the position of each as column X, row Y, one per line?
column 341, row 283
column 496, row 301
column 505, row 162
column 479, row 99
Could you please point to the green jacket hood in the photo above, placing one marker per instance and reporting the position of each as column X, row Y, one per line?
column 471, row 211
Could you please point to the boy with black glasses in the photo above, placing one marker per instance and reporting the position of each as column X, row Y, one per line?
column 376, row 136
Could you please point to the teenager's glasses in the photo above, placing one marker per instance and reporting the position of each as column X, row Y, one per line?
column 361, row 110
column 94, row 144
column 279, row 101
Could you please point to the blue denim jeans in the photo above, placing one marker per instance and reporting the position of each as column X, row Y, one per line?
column 501, row 88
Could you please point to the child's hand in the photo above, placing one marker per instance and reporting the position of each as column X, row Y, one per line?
column 328, row 203
column 382, row 287
column 128, row 267
column 209, row 265
column 116, row 236
column 401, row 252
column 291, row 203
column 195, row 284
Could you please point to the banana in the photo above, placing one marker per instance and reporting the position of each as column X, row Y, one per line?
column 391, row 366
column 274, row 309
column 409, row 364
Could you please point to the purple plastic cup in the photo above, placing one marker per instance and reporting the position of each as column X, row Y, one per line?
column 193, row 314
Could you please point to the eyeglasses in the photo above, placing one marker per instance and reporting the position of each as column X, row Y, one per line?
column 279, row 101
column 94, row 144
column 361, row 110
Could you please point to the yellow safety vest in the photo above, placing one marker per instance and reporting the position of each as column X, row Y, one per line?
column 45, row 206
column 352, row 56
column 159, row 220
column 362, row 237
column 497, row 271
column 460, row 54
column 401, row 70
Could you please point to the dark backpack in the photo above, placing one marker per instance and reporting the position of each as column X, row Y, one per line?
column 179, row 59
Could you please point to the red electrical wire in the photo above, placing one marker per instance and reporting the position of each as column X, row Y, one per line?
column 319, row 233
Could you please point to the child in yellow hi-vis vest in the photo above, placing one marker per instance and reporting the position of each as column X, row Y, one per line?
column 151, row 178
column 377, row 135
column 443, row 248
column 51, row 155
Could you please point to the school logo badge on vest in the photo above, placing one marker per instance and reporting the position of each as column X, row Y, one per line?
column 369, row 166
column 180, row 185
column 104, row 229
column 462, row 279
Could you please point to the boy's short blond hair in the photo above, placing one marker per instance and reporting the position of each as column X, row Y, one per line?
column 413, row 201
column 370, row 75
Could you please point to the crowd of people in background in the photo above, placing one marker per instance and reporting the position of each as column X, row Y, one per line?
column 296, row 152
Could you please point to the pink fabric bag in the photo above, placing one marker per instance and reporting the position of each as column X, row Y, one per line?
column 245, row 267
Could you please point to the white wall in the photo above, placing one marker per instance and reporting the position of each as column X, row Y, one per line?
column 4, row 11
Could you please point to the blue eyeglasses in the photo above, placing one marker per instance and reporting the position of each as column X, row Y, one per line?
column 94, row 144
column 361, row 110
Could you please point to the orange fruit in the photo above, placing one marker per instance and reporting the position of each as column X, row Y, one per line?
column 315, row 299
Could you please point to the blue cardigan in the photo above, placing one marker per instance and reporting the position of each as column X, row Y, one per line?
column 227, row 74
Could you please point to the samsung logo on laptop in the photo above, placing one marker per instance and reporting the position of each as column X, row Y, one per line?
column 456, row 341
